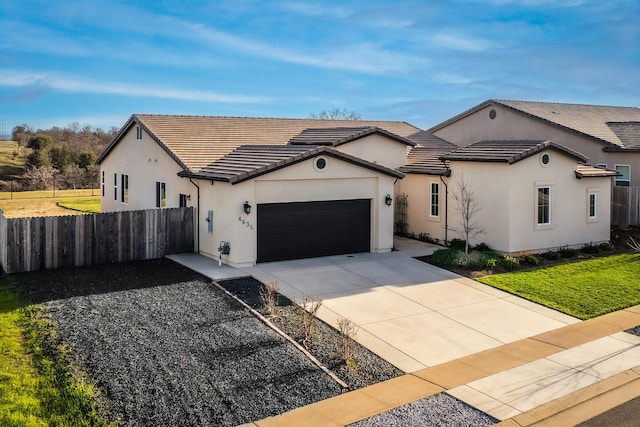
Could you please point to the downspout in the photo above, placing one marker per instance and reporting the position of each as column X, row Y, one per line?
column 446, row 211
column 197, row 216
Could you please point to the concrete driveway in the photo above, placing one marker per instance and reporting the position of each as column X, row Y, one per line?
column 410, row 313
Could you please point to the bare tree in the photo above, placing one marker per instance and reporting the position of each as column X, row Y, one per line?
column 336, row 114
column 468, row 206
column 40, row 178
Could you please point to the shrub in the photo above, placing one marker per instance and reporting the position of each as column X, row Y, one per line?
column 347, row 342
column 457, row 258
column 551, row 255
column 531, row 260
column 567, row 252
column 310, row 307
column 482, row 247
column 457, row 244
column 605, row 246
column 492, row 262
column 510, row 263
column 590, row 249
column 269, row 296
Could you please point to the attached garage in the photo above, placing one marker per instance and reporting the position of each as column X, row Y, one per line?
column 312, row 229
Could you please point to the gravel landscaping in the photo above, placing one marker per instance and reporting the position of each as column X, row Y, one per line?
column 437, row 410
column 635, row 330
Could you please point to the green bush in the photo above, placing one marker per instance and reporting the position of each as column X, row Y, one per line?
column 531, row 260
column 567, row 252
column 457, row 244
column 590, row 249
column 474, row 260
column 492, row 262
column 482, row 247
column 551, row 255
column 510, row 263
column 605, row 246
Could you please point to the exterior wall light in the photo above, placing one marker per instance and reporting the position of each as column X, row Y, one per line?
column 246, row 208
column 388, row 200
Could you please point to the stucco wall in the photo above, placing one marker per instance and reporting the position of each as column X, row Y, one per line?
column 419, row 218
column 145, row 162
column 377, row 149
column 300, row 182
column 510, row 125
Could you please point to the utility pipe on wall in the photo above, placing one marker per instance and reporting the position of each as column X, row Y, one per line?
column 197, row 216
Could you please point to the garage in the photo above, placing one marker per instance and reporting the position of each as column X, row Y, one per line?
column 311, row 229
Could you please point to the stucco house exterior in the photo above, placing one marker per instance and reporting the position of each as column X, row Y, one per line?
column 263, row 189
column 608, row 136
column 532, row 196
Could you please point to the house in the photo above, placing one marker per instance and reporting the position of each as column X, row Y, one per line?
column 530, row 196
column 263, row 189
column 608, row 136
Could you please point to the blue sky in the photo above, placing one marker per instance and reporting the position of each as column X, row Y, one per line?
column 97, row 62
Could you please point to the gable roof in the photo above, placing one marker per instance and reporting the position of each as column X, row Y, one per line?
column 507, row 151
column 342, row 135
column 589, row 121
column 250, row 161
column 196, row 141
column 427, row 160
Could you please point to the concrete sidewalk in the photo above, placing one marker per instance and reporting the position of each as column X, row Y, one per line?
column 501, row 354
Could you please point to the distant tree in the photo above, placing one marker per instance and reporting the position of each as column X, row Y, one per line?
column 60, row 156
column 86, row 160
column 39, row 178
column 21, row 134
column 38, row 158
column 39, row 142
column 468, row 206
column 336, row 114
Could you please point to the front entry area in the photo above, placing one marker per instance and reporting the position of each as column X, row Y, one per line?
column 312, row 229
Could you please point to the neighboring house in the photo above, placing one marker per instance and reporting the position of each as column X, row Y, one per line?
column 608, row 136
column 270, row 189
column 532, row 196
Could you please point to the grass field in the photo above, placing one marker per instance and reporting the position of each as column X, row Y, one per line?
column 42, row 203
column 36, row 388
column 583, row 289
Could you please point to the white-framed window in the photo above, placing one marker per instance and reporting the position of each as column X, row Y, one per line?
column 543, row 205
column 592, row 205
column 124, row 196
column 138, row 132
column 103, row 184
column 434, row 199
column 625, row 179
column 601, row 165
column 161, row 194
column 115, row 186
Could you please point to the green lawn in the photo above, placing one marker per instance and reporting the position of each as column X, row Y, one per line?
column 81, row 204
column 36, row 387
column 583, row 289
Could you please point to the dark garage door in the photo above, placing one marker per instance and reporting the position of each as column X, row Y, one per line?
column 312, row 229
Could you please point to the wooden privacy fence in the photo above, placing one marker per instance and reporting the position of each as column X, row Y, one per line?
column 625, row 206
column 31, row 244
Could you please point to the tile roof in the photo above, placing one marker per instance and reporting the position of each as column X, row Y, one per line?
column 342, row 135
column 249, row 161
column 587, row 120
column 627, row 132
column 586, row 171
column 507, row 151
column 426, row 160
column 196, row 141
column 426, row 139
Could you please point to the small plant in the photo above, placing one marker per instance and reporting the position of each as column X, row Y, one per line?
column 633, row 244
column 347, row 342
column 457, row 244
column 531, row 260
column 310, row 307
column 605, row 246
column 590, row 249
column 269, row 296
column 567, row 252
column 492, row 262
column 482, row 247
column 510, row 263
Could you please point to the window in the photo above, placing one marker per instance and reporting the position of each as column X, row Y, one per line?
column 544, row 206
column 183, row 200
column 624, row 179
column 161, row 195
column 593, row 205
column 115, row 186
column 103, row 186
column 138, row 132
column 434, row 199
column 125, row 189
column 601, row 165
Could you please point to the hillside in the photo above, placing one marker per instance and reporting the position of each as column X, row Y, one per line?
column 11, row 163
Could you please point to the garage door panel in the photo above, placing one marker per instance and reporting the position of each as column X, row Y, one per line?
column 311, row 229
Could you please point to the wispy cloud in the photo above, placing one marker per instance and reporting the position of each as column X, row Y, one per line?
column 450, row 39
column 74, row 84
column 317, row 10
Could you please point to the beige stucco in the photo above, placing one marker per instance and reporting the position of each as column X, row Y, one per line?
column 507, row 197
column 509, row 125
column 301, row 182
column 377, row 149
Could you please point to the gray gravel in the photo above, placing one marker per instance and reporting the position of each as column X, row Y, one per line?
column 185, row 354
column 437, row 410
column 635, row 330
